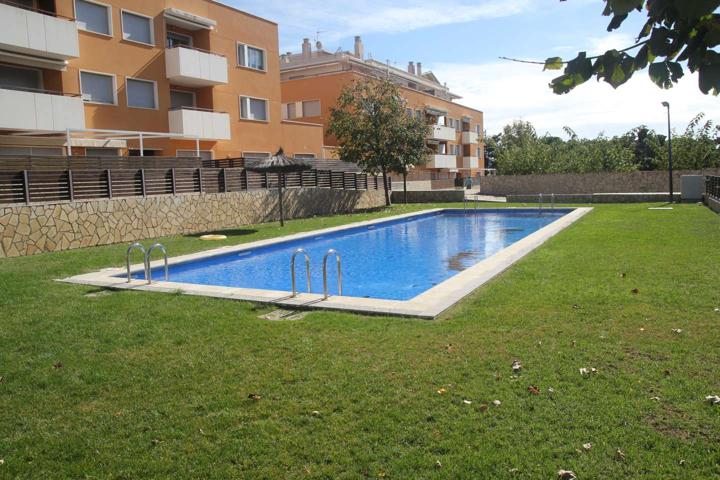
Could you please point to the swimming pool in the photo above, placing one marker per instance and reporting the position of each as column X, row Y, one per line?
column 416, row 264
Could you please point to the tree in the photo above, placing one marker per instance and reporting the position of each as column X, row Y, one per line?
column 676, row 32
column 374, row 131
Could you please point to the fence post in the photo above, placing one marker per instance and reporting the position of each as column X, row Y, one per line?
column 301, row 178
column 142, row 182
column 174, row 184
column 26, row 186
column 317, row 184
column 244, row 179
column 199, row 170
column 376, row 185
column 224, row 175
column 355, row 175
column 265, row 180
column 331, row 178
column 71, row 188
column 109, row 183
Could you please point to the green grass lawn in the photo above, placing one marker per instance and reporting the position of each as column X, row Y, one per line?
column 145, row 385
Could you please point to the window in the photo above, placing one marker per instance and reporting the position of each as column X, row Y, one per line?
column 477, row 129
column 288, row 111
column 477, row 152
column 409, row 112
column 305, row 156
column 253, row 109
column 137, row 28
column 93, row 17
column 204, row 154
column 174, row 39
column 250, row 57
column 20, row 78
column 97, row 88
column 37, row 151
column 101, row 152
column 141, row 93
column 179, row 99
column 311, row 108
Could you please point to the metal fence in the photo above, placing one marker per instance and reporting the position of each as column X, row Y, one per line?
column 712, row 187
column 29, row 186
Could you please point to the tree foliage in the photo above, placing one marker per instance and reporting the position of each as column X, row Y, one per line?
column 518, row 150
column 374, row 131
column 676, row 33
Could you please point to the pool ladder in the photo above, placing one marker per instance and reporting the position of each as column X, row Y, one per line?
column 146, row 260
column 552, row 201
column 330, row 252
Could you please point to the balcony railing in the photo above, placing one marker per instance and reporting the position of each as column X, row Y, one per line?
column 471, row 162
column 193, row 67
column 470, row 138
column 34, row 9
column 442, row 161
column 206, row 124
column 30, row 109
column 441, row 132
column 36, row 32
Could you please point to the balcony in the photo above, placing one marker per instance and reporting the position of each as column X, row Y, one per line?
column 470, row 138
column 471, row 162
column 191, row 67
column 442, row 161
column 38, row 34
column 208, row 125
column 40, row 110
column 443, row 133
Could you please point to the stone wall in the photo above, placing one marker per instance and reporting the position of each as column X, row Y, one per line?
column 586, row 183
column 429, row 196
column 49, row 227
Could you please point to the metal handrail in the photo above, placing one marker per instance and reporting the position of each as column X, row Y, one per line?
column 38, row 90
column 132, row 247
column 332, row 251
column 201, row 50
column 160, row 247
column 307, row 270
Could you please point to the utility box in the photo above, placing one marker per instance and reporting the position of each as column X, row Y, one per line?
column 693, row 187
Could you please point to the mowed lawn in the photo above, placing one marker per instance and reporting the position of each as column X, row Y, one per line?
column 127, row 385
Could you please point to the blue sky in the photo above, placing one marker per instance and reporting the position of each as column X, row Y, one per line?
column 460, row 41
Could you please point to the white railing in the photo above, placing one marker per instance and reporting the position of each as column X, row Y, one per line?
column 195, row 68
column 27, row 110
column 442, row 161
column 206, row 124
column 470, row 137
column 441, row 132
column 471, row 162
column 37, row 34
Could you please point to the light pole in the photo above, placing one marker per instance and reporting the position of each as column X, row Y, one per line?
column 667, row 105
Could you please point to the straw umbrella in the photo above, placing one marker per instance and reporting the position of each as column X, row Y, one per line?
column 280, row 164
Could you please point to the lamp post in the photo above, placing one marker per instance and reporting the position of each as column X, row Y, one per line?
column 670, row 166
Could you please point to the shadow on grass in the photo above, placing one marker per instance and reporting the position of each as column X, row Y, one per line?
column 237, row 232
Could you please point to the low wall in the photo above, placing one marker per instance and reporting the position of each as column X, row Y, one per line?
column 713, row 204
column 428, row 196
column 49, row 227
column 585, row 183
column 592, row 198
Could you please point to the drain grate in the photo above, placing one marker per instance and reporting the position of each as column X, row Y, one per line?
column 280, row 314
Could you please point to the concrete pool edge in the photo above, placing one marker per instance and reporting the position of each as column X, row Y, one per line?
column 428, row 304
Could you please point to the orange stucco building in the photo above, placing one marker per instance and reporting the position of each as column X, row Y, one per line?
column 190, row 74
column 313, row 79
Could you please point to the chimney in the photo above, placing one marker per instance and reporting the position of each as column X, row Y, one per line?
column 359, row 47
column 418, row 70
column 306, row 49
column 318, row 45
column 411, row 68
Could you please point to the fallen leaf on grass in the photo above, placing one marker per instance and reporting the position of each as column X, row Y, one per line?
column 584, row 371
column 254, row 396
column 657, row 399
column 587, row 446
column 381, row 474
column 677, row 330
column 449, row 347
column 513, row 470
column 2, row 461
column 534, row 390
column 467, row 402
column 483, row 408
column 516, row 366
column 315, row 413
column 156, row 441
column 713, row 399
column 2, row 379
column 57, row 365
column 438, row 464
column 682, row 463
column 635, row 291
column 567, row 474
column 619, row 455
column 497, row 403
column 551, row 390
column 717, row 310
column 441, row 391
column 623, row 274
column 576, row 307
column 642, row 329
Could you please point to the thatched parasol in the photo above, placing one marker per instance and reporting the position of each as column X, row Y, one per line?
column 280, row 164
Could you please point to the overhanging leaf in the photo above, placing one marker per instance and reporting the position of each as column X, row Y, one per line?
column 553, row 63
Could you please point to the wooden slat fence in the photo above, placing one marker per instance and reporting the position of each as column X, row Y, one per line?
column 29, row 186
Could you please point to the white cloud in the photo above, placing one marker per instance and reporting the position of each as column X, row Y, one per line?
column 508, row 91
column 344, row 18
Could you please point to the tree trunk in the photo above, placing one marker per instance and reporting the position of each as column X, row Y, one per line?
column 405, row 187
column 385, row 187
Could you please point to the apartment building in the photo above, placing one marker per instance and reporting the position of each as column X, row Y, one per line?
column 313, row 79
column 194, row 76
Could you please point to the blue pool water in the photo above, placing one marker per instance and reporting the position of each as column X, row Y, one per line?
column 397, row 259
